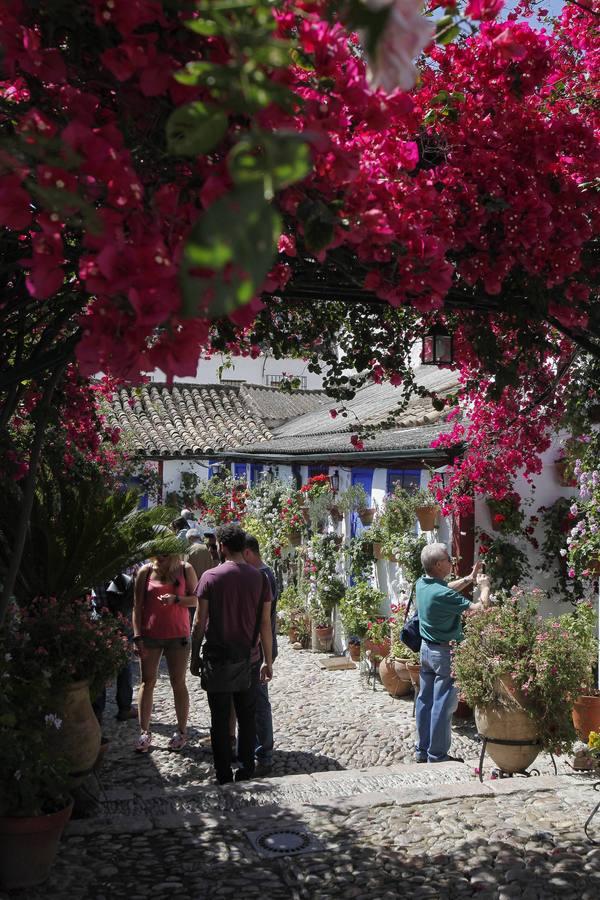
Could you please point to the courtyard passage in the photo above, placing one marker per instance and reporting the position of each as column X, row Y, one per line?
column 373, row 824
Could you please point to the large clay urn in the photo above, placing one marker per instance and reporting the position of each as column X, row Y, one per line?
column 508, row 720
column 79, row 736
column 586, row 715
column 394, row 676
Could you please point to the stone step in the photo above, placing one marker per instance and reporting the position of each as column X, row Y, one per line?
column 140, row 810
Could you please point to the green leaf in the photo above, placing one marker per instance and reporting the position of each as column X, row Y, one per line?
column 445, row 31
column 276, row 159
column 237, row 239
column 195, row 128
column 202, row 26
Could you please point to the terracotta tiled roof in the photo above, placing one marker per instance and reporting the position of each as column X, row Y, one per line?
column 183, row 420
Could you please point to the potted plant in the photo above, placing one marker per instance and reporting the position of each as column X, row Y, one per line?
column 406, row 551
column 583, row 541
column 377, row 537
column 354, row 643
column 34, row 781
column 583, row 625
column 353, row 499
column 378, row 638
column 520, row 673
column 426, row 509
column 316, row 497
column 393, row 670
column 359, row 605
column 505, row 563
column 506, row 514
column 359, row 555
column 330, row 591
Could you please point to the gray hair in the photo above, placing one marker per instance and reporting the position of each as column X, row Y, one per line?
column 431, row 554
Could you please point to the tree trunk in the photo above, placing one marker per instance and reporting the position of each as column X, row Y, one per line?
column 43, row 411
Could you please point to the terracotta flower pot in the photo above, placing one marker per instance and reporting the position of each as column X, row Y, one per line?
column 394, row 676
column 295, row 538
column 560, row 467
column 306, row 514
column 378, row 650
column 366, row 515
column 377, row 550
column 28, row 846
column 335, row 513
column 586, row 715
column 427, row 517
column 414, row 671
column 79, row 736
column 354, row 652
column 324, row 638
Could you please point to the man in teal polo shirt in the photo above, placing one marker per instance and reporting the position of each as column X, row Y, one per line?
column 440, row 607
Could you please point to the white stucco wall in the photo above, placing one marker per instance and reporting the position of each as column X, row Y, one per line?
column 543, row 490
column 243, row 368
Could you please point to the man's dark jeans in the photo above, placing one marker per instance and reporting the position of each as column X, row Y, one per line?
column 124, row 695
column 245, row 710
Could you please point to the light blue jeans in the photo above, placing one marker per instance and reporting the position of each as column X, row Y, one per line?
column 436, row 702
column 264, row 726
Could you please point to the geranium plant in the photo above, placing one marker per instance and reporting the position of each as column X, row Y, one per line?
column 379, row 629
column 505, row 563
column 33, row 779
column 506, row 513
column 545, row 659
column 359, row 606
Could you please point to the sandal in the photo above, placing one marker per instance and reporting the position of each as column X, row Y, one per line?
column 143, row 743
column 178, row 741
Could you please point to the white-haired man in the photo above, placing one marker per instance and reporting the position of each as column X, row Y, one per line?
column 440, row 607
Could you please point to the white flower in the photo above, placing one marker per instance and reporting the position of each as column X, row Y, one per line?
column 406, row 33
column 51, row 719
column 7, row 657
column 18, row 775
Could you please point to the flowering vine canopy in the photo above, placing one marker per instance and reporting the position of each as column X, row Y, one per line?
column 164, row 164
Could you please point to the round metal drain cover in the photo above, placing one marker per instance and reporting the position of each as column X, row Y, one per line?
column 288, row 841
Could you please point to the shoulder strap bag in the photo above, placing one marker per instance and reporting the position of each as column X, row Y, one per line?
column 410, row 633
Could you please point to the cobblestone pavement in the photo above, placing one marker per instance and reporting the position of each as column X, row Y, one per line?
column 392, row 830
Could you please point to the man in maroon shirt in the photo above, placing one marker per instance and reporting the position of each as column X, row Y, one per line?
column 229, row 597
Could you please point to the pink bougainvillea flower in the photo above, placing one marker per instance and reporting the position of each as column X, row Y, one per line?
column 406, row 34
column 483, row 10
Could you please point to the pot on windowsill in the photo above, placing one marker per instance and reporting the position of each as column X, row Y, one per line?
column 28, row 847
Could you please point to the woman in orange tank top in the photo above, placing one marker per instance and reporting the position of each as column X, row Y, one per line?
column 164, row 592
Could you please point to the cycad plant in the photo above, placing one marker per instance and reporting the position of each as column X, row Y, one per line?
column 80, row 535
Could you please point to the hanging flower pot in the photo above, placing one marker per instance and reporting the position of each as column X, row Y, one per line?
column 377, row 552
column 366, row 515
column 562, row 474
column 427, row 517
column 305, row 514
column 335, row 513
column 28, row 846
column 295, row 538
